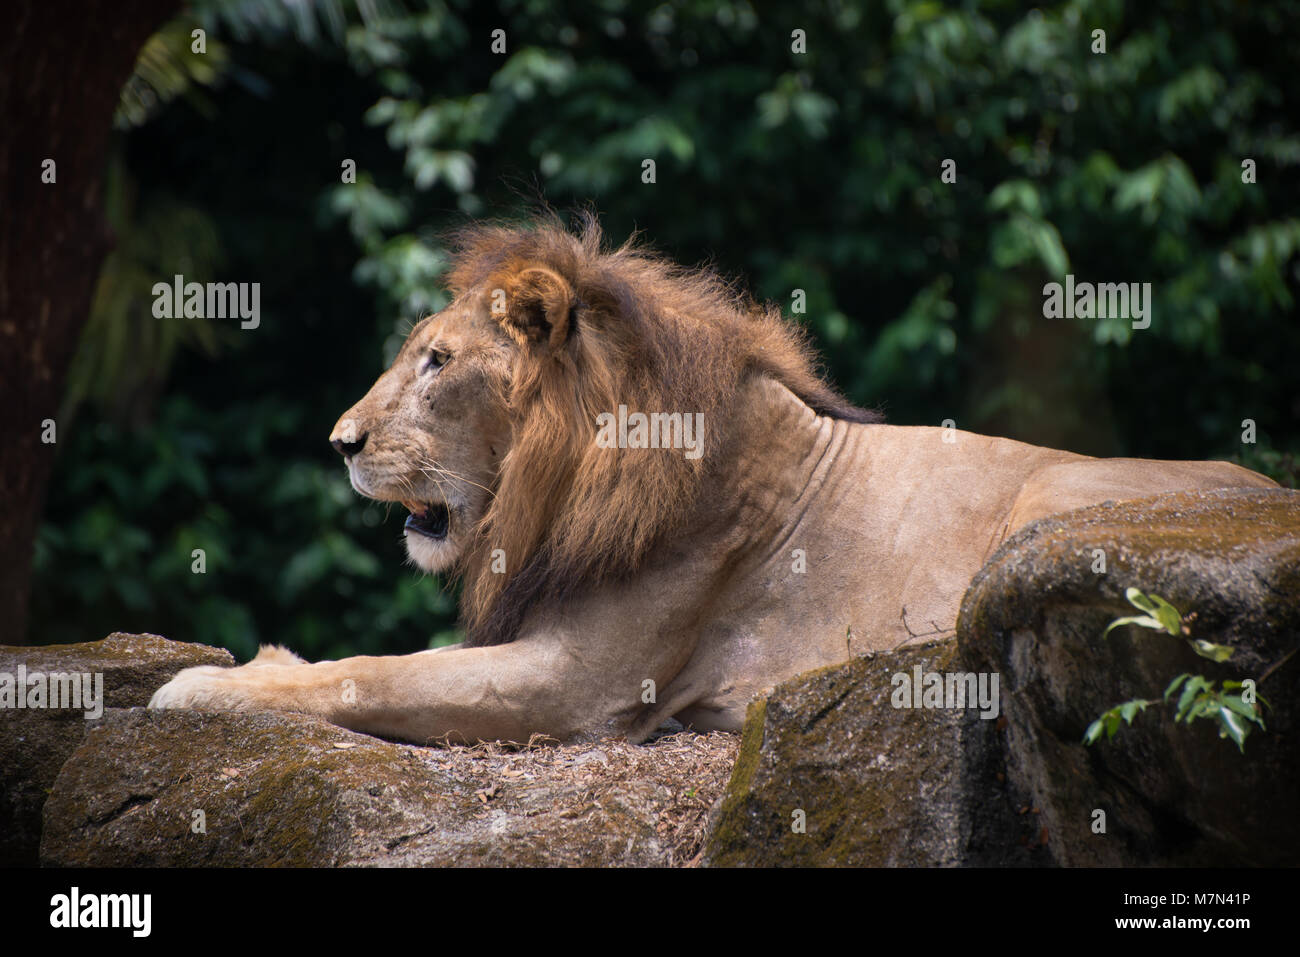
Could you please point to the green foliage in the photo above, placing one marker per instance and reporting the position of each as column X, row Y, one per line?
column 167, row 69
column 1231, row 706
column 1161, row 616
column 124, row 528
column 817, row 171
column 1110, row 719
column 1231, row 712
column 1281, row 467
column 125, row 354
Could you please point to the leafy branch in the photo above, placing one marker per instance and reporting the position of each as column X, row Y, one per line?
column 1234, row 706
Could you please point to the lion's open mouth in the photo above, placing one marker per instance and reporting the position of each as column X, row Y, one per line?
column 431, row 521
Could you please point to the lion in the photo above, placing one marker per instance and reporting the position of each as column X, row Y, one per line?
column 657, row 507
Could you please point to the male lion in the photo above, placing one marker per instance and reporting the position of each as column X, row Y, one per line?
column 610, row 585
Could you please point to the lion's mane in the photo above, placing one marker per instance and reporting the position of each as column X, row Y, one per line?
column 644, row 333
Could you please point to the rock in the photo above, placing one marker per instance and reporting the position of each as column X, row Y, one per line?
column 33, row 746
column 1172, row 794
column 133, row 666
column 879, row 786
column 34, row 743
column 285, row 789
column 874, row 783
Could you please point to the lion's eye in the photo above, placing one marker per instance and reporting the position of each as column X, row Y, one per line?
column 437, row 359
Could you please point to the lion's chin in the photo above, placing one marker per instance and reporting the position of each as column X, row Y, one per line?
column 431, row 554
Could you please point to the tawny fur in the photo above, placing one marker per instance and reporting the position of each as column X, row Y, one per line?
column 642, row 332
column 640, row 584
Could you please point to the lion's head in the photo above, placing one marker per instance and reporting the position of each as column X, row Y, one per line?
column 485, row 427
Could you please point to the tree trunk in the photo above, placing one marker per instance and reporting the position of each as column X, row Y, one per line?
column 65, row 62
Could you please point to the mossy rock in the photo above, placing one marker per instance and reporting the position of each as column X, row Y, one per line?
column 880, row 785
column 1171, row 794
column 877, row 785
column 278, row 789
column 35, row 743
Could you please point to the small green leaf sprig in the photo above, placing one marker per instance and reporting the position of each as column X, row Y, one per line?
column 1234, row 706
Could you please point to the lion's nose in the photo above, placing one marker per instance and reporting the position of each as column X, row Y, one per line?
column 347, row 443
column 348, row 449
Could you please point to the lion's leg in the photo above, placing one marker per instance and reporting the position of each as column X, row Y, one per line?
column 1062, row 487
column 506, row 692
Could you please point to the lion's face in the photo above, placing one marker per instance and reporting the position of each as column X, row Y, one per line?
column 431, row 432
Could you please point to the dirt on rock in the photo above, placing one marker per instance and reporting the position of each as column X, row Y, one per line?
column 181, row 788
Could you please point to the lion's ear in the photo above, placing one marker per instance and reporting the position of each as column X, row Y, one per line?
column 538, row 303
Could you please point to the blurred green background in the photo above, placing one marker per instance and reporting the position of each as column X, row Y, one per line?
column 816, row 171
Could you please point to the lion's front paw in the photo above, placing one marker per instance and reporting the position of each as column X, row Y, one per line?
column 206, row 688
